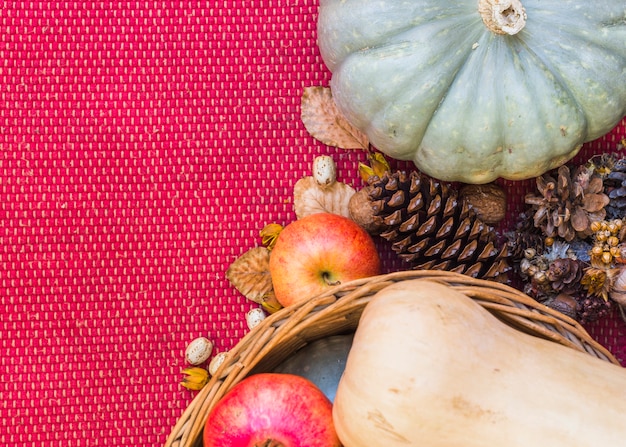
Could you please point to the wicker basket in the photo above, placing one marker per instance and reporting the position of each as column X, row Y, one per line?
column 338, row 311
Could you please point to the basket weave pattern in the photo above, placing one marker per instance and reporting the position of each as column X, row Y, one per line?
column 338, row 311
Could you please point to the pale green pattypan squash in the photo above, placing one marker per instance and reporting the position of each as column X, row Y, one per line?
column 473, row 90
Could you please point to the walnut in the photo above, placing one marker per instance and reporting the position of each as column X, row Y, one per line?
column 564, row 303
column 488, row 201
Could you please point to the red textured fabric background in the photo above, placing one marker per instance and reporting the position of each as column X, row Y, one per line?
column 143, row 144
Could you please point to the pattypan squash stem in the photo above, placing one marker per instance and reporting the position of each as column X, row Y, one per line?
column 503, row 16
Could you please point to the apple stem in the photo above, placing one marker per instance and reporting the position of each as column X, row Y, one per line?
column 270, row 443
column 326, row 277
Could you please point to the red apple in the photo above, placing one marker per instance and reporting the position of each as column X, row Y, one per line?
column 272, row 409
column 317, row 252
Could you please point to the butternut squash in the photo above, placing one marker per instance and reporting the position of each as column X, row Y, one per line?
column 430, row 367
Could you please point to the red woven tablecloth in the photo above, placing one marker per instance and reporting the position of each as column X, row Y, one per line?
column 143, row 144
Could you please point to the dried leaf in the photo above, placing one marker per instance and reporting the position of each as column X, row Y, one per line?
column 250, row 274
column 326, row 123
column 310, row 198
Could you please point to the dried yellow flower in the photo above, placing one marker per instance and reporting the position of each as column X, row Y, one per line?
column 270, row 303
column 598, row 281
column 597, row 226
column 269, row 234
column 365, row 171
column 378, row 165
column 607, row 237
column 195, row 378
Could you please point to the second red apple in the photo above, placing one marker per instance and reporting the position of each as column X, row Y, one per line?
column 317, row 252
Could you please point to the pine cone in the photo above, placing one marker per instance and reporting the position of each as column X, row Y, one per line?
column 431, row 228
column 564, row 275
column 615, row 187
column 568, row 204
column 553, row 272
column 525, row 236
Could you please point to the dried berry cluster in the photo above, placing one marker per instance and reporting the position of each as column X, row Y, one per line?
column 569, row 245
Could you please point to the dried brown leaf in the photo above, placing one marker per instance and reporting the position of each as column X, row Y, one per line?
column 250, row 274
column 323, row 120
column 310, row 198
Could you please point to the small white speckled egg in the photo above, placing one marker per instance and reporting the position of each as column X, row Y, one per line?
column 254, row 317
column 216, row 362
column 198, row 351
column 324, row 170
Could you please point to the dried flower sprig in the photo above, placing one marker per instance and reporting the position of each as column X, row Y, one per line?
column 269, row 233
column 195, row 378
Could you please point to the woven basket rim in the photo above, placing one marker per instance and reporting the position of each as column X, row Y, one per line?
column 282, row 332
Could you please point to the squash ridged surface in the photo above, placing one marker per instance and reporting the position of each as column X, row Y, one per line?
column 427, row 81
